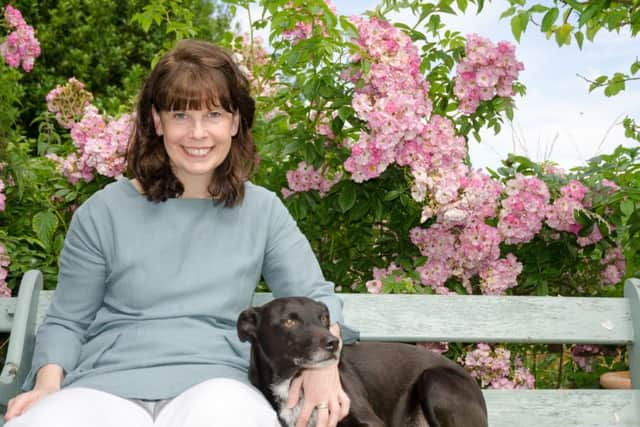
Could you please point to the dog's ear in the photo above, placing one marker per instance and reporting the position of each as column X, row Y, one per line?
column 248, row 324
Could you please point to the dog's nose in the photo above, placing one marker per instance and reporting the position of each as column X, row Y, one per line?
column 332, row 343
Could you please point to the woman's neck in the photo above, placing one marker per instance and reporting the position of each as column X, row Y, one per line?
column 190, row 192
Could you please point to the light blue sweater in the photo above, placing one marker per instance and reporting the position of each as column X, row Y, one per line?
column 149, row 293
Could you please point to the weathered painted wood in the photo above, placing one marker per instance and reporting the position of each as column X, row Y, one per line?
column 22, row 338
column 632, row 293
column 476, row 318
column 7, row 309
column 563, row 408
column 464, row 319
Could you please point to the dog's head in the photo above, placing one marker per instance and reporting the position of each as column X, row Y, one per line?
column 290, row 332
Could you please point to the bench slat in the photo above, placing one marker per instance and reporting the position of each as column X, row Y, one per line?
column 566, row 408
column 515, row 319
column 7, row 309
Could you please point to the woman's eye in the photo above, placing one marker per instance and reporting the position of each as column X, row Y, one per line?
column 214, row 114
column 179, row 116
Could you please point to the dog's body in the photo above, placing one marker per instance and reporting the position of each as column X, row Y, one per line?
column 389, row 384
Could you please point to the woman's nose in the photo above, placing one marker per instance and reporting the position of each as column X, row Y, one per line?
column 198, row 131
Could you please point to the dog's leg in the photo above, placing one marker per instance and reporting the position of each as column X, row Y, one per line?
column 450, row 399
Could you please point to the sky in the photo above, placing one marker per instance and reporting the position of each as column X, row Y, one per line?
column 558, row 119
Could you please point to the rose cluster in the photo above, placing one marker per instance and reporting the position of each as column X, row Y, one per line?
column 68, row 102
column 561, row 214
column 460, row 243
column 492, row 368
column 486, row 70
column 101, row 145
column 392, row 99
column 523, row 210
column 307, row 178
column 614, row 266
column 380, row 274
column 304, row 29
column 21, row 46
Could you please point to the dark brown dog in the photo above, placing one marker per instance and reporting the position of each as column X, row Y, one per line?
column 389, row 384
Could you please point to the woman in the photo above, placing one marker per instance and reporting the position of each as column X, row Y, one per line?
column 155, row 270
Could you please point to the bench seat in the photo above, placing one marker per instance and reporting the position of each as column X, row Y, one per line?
column 563, row 408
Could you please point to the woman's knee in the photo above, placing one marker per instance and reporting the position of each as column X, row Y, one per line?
column 219, row 401
column 80, row 407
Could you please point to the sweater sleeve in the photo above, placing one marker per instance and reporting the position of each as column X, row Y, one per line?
column 290, row 267
column 78, row 295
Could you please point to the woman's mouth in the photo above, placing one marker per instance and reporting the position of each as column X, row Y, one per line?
column 197, row 152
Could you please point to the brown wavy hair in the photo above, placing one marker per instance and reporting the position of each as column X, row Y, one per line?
column 193, row 75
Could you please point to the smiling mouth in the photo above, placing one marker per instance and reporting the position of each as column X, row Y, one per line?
column 197, row 152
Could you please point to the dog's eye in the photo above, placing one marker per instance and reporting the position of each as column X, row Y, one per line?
column 290, row 323
column 324, row 319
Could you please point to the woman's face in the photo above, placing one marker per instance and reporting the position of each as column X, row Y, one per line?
column 197, row 141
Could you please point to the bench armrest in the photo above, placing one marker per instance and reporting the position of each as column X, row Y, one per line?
column 632, row 291
column 22, row 337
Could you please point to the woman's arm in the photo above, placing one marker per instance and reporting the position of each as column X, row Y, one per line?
column 291, row 268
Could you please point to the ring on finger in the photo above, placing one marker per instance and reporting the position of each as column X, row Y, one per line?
column 322, row 405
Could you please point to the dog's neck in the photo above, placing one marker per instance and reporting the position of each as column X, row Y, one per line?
column 263, row 375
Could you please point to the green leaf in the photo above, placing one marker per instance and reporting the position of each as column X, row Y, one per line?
column 462, row 5
column 507, row 13
column 597, row 82
column 563, row 34
column 538, row 8
column 635, row 67
column 590, row 12
column 591, row 32
column 347, row 197
column 579, row 38
column 393, row 194
column 517, row 27
column 615, row 86
column 509, row 112
column 44, row 224
column 549, row 19
column 627, row 207
column 574, row 4
column 581, row 217
column 292, row 147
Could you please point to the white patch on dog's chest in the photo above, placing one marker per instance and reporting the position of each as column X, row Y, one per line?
column 289, row 415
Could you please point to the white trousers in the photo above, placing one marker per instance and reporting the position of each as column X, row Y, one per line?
column 219, row 402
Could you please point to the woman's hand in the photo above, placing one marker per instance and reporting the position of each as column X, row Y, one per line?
column 322, row 392
column 19, row 404
column 48, row 381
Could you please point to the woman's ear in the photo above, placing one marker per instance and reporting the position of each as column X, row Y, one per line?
column 157, row 123
column 235, row 124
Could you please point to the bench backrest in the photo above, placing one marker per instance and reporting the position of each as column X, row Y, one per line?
column 474, row 318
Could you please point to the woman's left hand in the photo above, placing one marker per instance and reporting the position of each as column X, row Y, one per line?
column 322, row 392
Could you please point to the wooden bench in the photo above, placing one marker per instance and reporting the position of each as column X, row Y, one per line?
column 457, row 318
